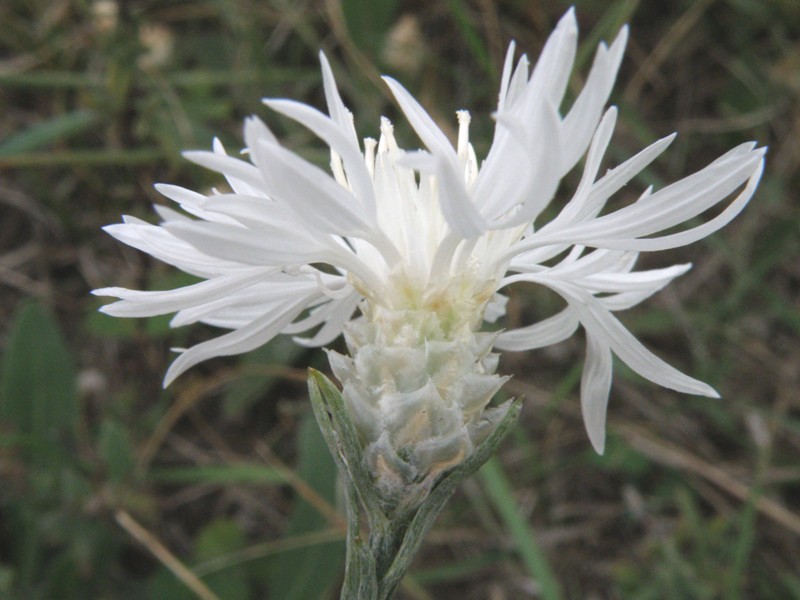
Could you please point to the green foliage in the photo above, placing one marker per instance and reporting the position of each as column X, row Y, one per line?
column 308, row 573
column 43, row 134
column 115, row 449
column 48, row 525
column 368, row 21
column 695, row 558
column 499, row 490
column 37, row 385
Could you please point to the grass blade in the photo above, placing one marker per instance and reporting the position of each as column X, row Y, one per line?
column 499, row 490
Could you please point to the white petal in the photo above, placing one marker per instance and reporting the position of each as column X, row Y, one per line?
column 626, row 300
column 263, row 214
column 168, row 214
column 588, row 206
column 190, row 201
column 581, row 121
column 516, row 86
column 164, row 246
column 505, row 79
column 631, row 351
column 336, row 108
column 179, row 194
column 228, row 166
column 619, row 176
column 239, row 308
column 597, row 261
column 426, row 129
column 496, row 308
column 317, row 315
column 680, row 201
column 256, row 132
column 135, row 303
column 245, row 246
column 552, row 70
column 654, row 279
column 529, row 185
column 597, row 150
column 454, row 201
column 247, row 338
column 668, row 207
column 595, row 388
column 697, row 233
column 334, row 322
column 544, row 333
column 313, row 194
column 337, row 138
column 254, row 128
column 572, row 269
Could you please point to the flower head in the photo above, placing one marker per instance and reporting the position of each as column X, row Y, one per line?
column 418, row 245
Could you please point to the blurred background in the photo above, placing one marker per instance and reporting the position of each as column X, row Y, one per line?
column 220, row 487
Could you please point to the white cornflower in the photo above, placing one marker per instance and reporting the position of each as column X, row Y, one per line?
column 407, row 251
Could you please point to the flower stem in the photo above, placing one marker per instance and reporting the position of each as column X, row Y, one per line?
column 375, row 567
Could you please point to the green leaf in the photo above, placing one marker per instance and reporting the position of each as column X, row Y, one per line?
column 218, row 538
column 116, row 450
column 474, row 39
column 164, row 584
column 6, row 578
column 38, row 387
column 499, row 490
column 308, row 573
column 342, row 439
column 368, row 21
column 43, row 134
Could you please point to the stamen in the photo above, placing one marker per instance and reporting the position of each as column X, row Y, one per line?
column 472, row 165
column 338, row 170
column 369, row 154
column 463, row 134
column 387, row 143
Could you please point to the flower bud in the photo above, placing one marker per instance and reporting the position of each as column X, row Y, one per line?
column 417, row 397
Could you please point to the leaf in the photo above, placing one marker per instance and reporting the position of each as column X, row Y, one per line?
column 368, row 21
column 116, row 450
column 38, row 388
column 43, row 134
column 218, row 538
column 221, row 536
column 473, row 38
column 6, row 578
column 308, row 573
column 500, row 492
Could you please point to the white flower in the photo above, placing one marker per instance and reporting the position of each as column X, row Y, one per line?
column 292, row 249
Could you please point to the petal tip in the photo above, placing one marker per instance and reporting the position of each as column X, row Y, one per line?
column 598, row 440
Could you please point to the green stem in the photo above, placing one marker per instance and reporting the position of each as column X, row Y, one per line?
column 375, row 568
